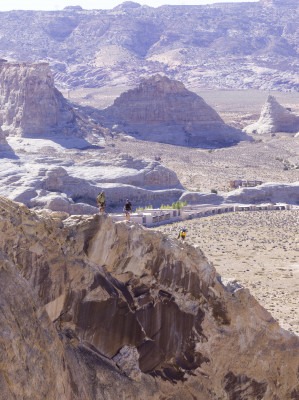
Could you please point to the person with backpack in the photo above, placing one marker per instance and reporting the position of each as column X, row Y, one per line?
column 101, row 201
column 182, row 234
column 128, row 209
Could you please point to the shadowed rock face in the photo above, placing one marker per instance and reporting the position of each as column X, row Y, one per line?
column 3, row 141
column 274, row 118
column 163, row 110
column 138, row 316
column 29, row 102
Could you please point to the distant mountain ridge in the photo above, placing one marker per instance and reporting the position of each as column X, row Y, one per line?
column 227, row 45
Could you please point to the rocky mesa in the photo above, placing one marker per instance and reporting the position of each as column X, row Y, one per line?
column 163, row 110
column 92, row 309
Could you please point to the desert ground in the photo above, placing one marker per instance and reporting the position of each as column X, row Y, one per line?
column 259, row 249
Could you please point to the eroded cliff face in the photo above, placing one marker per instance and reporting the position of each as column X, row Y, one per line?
column 108, row 311
column 29, row 102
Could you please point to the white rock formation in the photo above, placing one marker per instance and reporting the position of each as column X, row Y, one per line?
column 268, row 192
column 274, row 118
column 48, row 175
column 163, row 110
column 29, row 103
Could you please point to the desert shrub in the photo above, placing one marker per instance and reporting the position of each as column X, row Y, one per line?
column 165, row 207
column 214, row 191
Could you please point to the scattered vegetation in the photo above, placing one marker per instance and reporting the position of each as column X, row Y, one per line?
column 176, row 206
column 144, row 208
column 286, row 163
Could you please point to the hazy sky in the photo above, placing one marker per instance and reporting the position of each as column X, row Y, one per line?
column 95, row 4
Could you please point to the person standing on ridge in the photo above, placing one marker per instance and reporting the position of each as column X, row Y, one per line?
column 101, row 201
column 128, row 209
column 182, row 234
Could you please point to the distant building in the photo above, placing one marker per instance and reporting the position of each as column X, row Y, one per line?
column 242, row 183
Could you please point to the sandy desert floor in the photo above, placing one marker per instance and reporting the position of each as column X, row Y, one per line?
column 259, row 249
column 269, row 159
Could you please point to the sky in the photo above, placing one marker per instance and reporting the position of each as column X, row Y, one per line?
column 97, row 4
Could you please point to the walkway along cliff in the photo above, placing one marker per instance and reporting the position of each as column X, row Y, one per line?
column 92, row 309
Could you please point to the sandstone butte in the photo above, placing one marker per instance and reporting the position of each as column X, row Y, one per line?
column 30, row 105
column 92, row 309
column 163, row 110
column 274, row 118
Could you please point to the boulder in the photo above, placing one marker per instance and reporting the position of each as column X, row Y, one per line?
column 163, row 110
column 201, row 198
column 274, row 118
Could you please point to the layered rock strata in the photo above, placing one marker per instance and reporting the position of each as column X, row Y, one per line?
column 30, row 104
column 163, row 110
column 104, row 310
column 274, row 118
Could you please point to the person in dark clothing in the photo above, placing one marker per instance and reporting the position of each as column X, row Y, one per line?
column 128, row 209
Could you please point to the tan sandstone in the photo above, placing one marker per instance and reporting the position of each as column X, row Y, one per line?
column 29, row 102
column 134, row 315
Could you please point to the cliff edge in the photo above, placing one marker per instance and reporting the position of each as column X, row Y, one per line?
column 92, row 309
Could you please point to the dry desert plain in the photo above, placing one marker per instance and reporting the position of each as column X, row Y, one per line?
column 268, row 158
column 259, row 249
